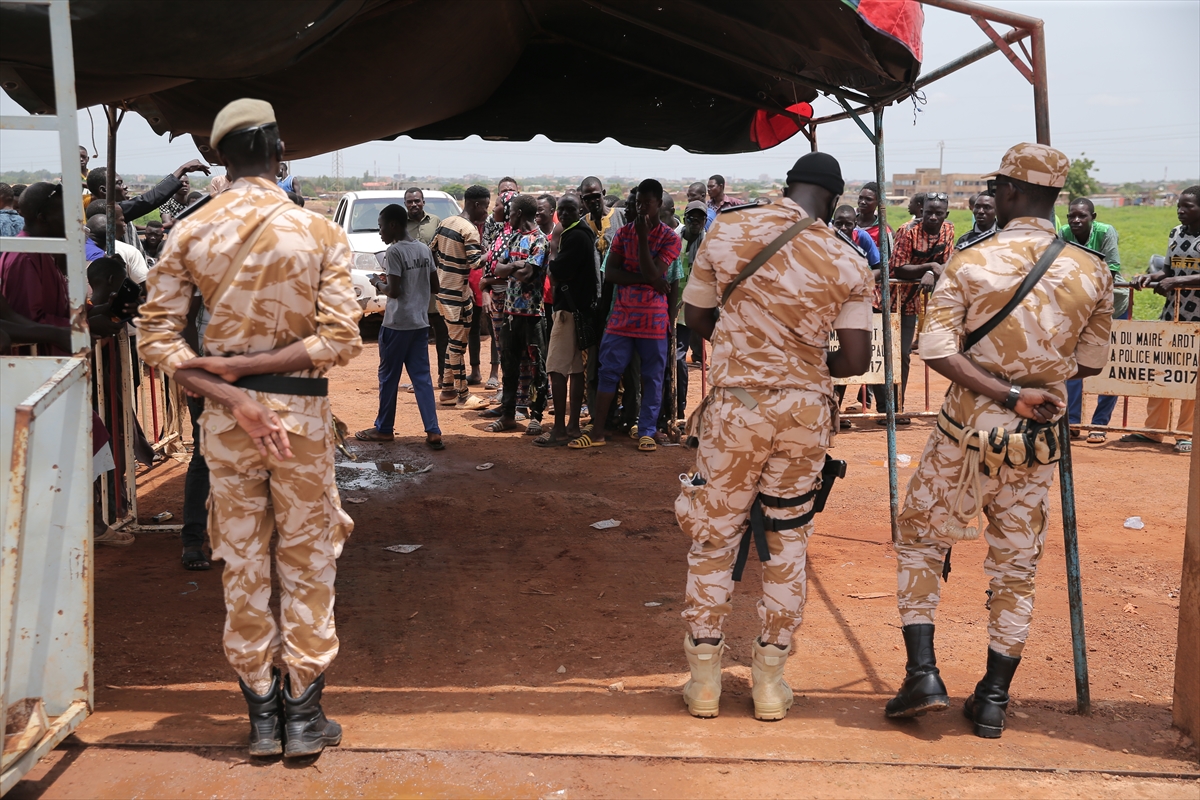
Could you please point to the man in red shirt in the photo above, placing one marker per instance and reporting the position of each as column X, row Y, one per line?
column 33, row 283
column 922, row 250
column 638, row 259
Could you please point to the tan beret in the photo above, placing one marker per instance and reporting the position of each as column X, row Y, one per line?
column 240, row 115
column 1038, row 164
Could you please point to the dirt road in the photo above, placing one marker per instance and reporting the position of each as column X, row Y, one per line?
column 524, row 653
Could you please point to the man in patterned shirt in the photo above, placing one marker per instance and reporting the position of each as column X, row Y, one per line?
column 993, row 451
column 456, row 249
column 280, row 319
column 1182, row 272
column 923, row 247
column 637, row 264
column 766, row 425
column 522, row 264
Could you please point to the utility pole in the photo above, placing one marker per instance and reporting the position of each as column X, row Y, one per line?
column 941, row 155
column 337, row 170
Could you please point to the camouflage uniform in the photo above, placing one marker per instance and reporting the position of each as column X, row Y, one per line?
column 1061, row 325
column 294, row 286
column 768, row 421
column 456, row 250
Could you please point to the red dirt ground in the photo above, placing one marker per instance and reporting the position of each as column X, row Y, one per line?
column 455, row 649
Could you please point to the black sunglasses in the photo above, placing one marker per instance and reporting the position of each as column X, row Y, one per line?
column 936, row 196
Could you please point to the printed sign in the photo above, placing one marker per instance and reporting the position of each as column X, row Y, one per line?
column 874, row 374
column 1150, row 359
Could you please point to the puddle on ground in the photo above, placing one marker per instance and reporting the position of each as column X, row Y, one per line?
column 363, row 475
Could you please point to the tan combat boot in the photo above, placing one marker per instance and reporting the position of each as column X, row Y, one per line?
column 772, row 696
column 702, row 692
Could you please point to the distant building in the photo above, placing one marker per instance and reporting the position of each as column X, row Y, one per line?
column 958, row 186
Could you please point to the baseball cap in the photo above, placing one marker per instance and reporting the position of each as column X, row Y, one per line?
column 240, row 115
column 1038, row 164
column 695, row 205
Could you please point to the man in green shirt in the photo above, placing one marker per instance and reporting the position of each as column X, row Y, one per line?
column 1082, row 228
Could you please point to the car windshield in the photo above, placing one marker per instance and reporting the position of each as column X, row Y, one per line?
column 365, row 217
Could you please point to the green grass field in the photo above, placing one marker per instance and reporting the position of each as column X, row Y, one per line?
column 1143, row 233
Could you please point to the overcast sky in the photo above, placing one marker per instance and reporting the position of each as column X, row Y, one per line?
column 1124, row 88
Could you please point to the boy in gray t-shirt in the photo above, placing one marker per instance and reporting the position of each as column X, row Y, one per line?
column 410, row 281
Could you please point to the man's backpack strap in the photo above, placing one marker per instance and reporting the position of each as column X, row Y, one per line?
column 243, row 252
column 1031, row 280
column 771, row 249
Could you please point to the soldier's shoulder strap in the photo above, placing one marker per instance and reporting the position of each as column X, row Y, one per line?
column 762, row 201
column 857, row 248
column 1035, row 275
column 977, row 240
column 1096, row 253
column 771, row 249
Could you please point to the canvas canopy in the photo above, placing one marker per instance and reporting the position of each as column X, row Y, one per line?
column 708, row 75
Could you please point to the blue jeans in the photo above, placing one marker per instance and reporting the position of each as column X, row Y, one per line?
column 616, row 351
column 405, row 350
column 1104, row 406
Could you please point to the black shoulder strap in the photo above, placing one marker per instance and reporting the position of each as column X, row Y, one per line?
column 1087, row 249
column 1031, row 280
column 764, row 254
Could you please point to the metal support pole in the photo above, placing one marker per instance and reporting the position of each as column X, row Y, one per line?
column 885, row 252
column 1041, row 91
column 1083, row 695
column 110, row 183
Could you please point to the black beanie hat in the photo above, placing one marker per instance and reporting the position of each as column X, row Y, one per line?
column 820, row 169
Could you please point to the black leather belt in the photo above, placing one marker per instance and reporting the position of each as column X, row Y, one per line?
column 285, row 384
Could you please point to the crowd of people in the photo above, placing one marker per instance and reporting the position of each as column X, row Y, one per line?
column 594, row 303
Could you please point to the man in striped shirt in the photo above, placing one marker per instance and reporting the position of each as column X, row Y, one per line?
column 456, row 249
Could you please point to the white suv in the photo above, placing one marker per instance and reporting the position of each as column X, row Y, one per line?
column 358, row 214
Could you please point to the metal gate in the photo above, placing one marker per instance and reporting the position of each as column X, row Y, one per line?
column 46, row 567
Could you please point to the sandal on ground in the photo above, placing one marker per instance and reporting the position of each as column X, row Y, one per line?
column 1137, row 437
column 408, row 387
column 374, row 435
column 435, row 444
column 448, row 398
column 589, row 428
column 647, row 444
column 492, row 383
column 1076, row 433
column 534, row 428
column 492, row 413
column 547, row 440
column 500, row 426
column 195, row 560
column 844, row 424
column 115, row 538
column 633, row 430
column 584, row 442
column 1097, row 437
column 1183, row 446
column 473, row 403
column 904, row 420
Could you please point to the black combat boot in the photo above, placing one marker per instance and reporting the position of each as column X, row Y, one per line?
column 922, row 689
column 308, row 731
column 988, row 707
column 266, row 718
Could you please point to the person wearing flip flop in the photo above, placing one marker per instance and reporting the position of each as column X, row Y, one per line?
column 1083, row 229
column 410, row 281
column 456, row 250
column 638, row 259
column 276, row 279
column 1182, row 272
column 573, row 271
column 770, row 282
column 1014, row 315
column 522, row 267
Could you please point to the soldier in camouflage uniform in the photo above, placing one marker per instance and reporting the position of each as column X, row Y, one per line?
column 765, row 427
column 993, row 451
column 279, row 321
